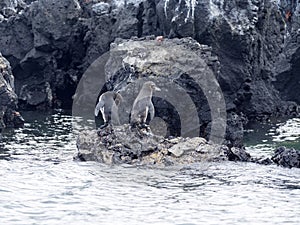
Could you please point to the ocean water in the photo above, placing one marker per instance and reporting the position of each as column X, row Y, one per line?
column 263, row 138
column 42, row 184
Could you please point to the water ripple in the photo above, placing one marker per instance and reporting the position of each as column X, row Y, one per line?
column 41, row 184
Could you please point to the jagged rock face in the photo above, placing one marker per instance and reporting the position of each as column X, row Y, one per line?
column 288, row 66
column 121, row 144
column 242, row 36
column 9, row 8
column 51, row 43
column 52, row 23
column 8, row 99
column 190, row 96
column 45, row 47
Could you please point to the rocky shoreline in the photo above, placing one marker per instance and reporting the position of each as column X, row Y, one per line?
column 122, row 144
column 251, row 48
column 115, row 145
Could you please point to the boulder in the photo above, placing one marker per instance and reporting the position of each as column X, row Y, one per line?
column 38, row 96
column 287, row 157
column 184, row 147
column 122, row 144
column 190, row 96
column 238, row 154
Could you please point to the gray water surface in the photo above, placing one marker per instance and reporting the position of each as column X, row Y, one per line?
column 41, row 184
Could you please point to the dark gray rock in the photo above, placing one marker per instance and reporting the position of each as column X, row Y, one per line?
column 238, row 154
column 9, row 117
column 37, row 96
column 287, row 157
column 247, row 37
column 242, row 25
column 45, row 45
column 235, row 129
column 16, row 39
column 54, row 20
column 263, row 161
column 185, row 71
column 288, row 78
column 125, row 22
column 9, row 8
column 253, row 46
column 99, row 28
column 121, row 144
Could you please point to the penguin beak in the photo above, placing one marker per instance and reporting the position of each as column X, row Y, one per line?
column 18, row 120
column 157, row 88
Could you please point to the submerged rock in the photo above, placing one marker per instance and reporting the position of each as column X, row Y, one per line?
column 287, row 157
column 238, row 154
column 282, row 156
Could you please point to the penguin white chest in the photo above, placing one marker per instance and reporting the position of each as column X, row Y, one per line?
column 103, row 114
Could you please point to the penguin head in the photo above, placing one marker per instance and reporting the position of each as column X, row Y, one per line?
column 152, row 86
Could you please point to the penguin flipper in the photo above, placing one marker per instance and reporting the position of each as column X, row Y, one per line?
column 151, row 111
column 118, row 99
column 98, row 107
column 115, row 115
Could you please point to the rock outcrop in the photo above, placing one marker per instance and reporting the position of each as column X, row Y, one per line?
column 190, row 97
column 122, row 144
column 10, row 8
column 9, row 117
column 287, row 157
column 247, row 37
column 45, row 46
column 252, row 46
column 288, row 70
column 133, row 146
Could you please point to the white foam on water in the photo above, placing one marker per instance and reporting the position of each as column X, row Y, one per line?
column 288, row 131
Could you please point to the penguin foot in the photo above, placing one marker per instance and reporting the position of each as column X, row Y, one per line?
column 145, row 126
column 140, row 133
column 105, row 129
column 141, row 129
column 104, row 125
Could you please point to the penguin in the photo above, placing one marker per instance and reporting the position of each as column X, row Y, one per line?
column 108, row 105
column 143, row 105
